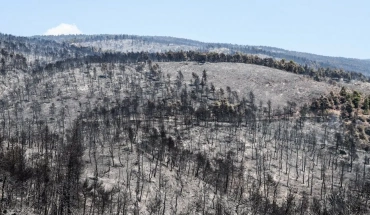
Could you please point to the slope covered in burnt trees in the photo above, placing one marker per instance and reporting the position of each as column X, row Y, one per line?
column 136, row 133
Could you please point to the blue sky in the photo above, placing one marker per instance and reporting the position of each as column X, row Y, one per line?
column 325, row 27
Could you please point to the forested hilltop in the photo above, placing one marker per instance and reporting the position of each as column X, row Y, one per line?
column 136, row 43
column 88, row 131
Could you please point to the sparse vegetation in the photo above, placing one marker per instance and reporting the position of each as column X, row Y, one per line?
column 121, row 133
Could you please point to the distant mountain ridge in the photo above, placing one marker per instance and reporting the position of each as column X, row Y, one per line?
column 41, row 51
column 126, row 43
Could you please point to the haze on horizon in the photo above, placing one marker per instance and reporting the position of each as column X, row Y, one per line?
column 331, row 28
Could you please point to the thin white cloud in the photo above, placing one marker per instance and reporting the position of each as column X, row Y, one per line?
column 63, row 29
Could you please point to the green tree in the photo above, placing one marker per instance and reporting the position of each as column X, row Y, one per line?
column 356, row 98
